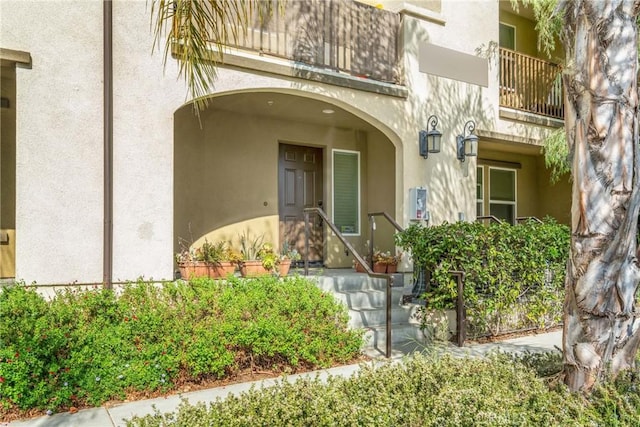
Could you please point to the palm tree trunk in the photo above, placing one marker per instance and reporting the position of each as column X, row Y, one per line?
column 601, row 325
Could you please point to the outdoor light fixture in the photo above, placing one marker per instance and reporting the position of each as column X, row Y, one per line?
column 467, row 144
column 429, row 142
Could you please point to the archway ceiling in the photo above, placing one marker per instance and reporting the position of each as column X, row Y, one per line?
column 288, row 107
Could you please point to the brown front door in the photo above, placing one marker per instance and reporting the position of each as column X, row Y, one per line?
column 299, row 187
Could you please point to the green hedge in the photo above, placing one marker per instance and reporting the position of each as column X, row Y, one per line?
column 421, row 391
column 89, row 347
column 514, row 274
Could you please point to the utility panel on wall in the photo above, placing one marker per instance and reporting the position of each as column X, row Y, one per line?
column 418, row 204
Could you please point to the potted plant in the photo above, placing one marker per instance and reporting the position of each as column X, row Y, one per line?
column 217, row 256
column 189, row 264
column 258, row 258
column 234, row 257
column 358, row 267
column 385, row 262
column 209, row 260
column 287, row 255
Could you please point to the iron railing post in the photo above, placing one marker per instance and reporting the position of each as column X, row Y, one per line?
column 388, row 316
column 372, row 227
column 306, row 243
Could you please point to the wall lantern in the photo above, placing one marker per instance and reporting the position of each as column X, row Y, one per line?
column 429, row 142
column 467, row 142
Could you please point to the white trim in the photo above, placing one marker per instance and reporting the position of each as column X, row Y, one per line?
column 515, row 191
column 481, row 200
column 333, row 190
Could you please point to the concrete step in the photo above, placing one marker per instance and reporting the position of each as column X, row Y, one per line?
column 373, row 317
column 372, row 298
column 350, row 282
column 365, row 298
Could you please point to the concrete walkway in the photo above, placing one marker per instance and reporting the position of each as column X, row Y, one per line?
column 118, row 414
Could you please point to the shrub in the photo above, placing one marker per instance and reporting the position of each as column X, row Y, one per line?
column 544, row 364
column 424, row 390
column 89, row 347
column 617, row 403
column 514, row 274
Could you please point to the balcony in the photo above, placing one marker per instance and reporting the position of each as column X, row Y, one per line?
column 531, row 85
column 338, row 35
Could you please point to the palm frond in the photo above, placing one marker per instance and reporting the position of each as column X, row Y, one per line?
column 197, row 34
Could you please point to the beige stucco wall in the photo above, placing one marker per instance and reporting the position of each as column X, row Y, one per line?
column 59, row 134
column 145, row 99
column 555, row 198
column 451, row 188
column 381, row 173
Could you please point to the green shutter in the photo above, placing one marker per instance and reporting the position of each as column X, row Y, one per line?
column 346, row 183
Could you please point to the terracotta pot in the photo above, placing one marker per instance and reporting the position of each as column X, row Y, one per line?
column 379, row 268
column 252, row 268
column 192, row 269
column 221, row 269
column 283, row 267
column 359, row 268
column 392, row 268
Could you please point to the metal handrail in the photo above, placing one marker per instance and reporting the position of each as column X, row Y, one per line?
column 372, row 225
column 357, row 256
column 490, row 217
column 527, row 218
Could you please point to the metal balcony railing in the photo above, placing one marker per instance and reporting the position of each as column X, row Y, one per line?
column 531, row 84
column 340, row 35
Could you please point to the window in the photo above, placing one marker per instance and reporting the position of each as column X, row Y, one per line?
column 507, row 62
column 346, row 191
column 502, row 194
column 480, row 192
column 507, row 36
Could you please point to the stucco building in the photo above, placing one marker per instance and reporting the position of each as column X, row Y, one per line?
column 321, row 106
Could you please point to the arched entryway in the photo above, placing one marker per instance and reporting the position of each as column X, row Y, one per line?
column 253, row 160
